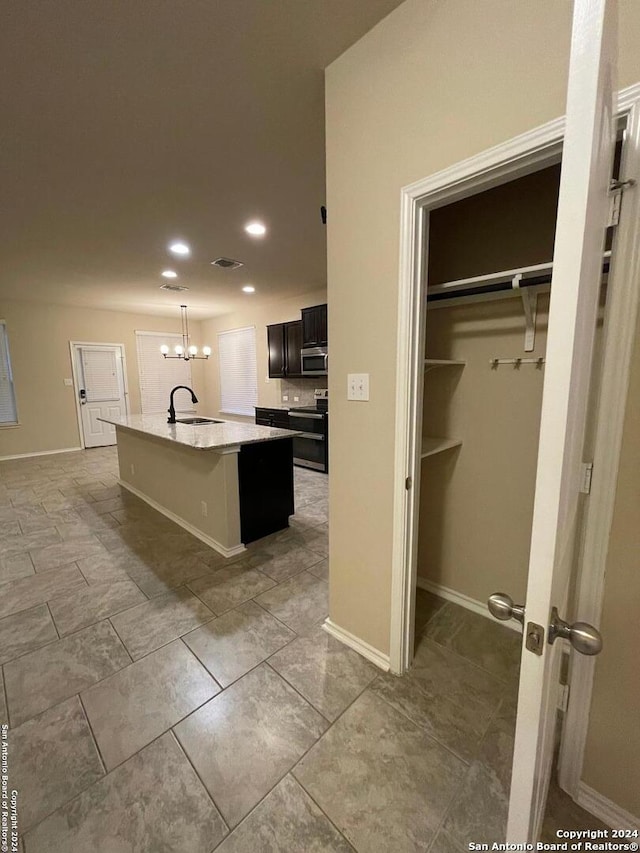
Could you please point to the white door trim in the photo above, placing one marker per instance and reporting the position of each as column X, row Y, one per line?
column 76, row 386
column 526, row 153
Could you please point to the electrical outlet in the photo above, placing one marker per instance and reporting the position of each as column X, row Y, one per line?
column 68, row 382
column 133, row 469
column 203, row 508
column 358, row 386
column 296, row 399
column 285, row 398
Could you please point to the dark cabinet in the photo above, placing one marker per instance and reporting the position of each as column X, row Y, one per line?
column 284, row 341
column 293, row 345
column 275, row 344
column 265, row 480
column 314, row 326
column 272, row 417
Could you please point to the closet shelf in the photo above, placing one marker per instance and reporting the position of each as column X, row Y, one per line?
column 431, row 446
column 442, row 362
column 498, row 284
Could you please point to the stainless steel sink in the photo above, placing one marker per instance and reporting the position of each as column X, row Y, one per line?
column 194, row 421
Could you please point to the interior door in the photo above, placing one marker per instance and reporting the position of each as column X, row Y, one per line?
column 577, row 264
column 101, row 391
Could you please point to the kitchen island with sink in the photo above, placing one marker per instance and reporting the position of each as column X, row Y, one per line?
column 226, row 483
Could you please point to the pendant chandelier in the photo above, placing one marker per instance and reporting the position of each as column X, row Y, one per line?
column 186, row 350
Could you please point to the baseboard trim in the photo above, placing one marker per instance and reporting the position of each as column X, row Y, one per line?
column 208, row 540
column 369, row 652
column 463, row 601
column 604, row 809
column 41, row 453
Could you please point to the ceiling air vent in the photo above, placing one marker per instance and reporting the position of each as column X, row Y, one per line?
column 176, row 288
column 226, row 263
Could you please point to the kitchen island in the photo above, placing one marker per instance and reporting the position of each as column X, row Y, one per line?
column 226, row 483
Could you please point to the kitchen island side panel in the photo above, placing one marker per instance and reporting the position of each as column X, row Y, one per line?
column 180, row 479
column 265, row 473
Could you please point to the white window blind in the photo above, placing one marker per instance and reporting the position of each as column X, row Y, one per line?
column 158, row 375
column 101, row 378
column 238, row 371
column 8, row 414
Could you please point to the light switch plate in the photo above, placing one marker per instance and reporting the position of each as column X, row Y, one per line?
column 68, row 382
column 358, row 386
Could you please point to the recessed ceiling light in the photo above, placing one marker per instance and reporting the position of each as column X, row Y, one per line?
column 256, row 229
column 169, row 274
column 179, row 248
column 249, row 288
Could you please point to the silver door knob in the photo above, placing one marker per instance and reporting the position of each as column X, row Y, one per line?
column 501, row 606
column 583, row 637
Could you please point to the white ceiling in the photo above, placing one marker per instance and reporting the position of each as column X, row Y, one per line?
column 126, row 123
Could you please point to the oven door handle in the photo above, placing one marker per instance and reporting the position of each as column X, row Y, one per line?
column 312, row 435
column 306, row 415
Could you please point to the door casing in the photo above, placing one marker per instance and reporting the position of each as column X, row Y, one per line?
column 73, row 345
column 519, row 156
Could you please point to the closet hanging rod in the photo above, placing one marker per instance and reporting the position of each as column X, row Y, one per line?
column 509, row 281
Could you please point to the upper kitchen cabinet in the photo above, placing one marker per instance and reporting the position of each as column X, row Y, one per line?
column 314, row 326
column 284, row 341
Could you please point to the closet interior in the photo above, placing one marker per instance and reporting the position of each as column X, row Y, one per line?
column 488, row 269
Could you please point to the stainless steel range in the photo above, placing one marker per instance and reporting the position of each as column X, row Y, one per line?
column 311, row 449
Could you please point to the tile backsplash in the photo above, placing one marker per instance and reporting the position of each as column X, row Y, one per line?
column 302, row 388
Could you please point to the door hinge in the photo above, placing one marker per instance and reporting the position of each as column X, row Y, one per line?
column 585, row 478
column 563, row 697
column 614, row 209
column 408, row 483
column 616, row 188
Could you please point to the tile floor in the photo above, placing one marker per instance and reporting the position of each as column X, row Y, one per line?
column 163, row 699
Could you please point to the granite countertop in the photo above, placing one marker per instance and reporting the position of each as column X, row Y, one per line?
column 219, row 436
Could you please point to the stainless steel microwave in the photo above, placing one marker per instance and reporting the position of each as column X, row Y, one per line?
column 315, row 361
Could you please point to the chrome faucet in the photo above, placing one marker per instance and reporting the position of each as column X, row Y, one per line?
column 172, row 412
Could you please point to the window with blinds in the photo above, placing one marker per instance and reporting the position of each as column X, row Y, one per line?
column 100, row 374
column 238, row 371
column 158, row 375
column 8, row 413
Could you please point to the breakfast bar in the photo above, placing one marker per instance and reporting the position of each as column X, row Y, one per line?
column 227, row 483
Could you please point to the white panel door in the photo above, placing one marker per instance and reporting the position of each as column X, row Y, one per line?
column 101, row 391
column 577, row 270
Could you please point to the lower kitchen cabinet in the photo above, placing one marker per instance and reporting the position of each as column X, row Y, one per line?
column 272, row 417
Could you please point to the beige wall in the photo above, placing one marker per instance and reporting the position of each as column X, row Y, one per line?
column 259, row 314
column 39, row 338
column 432, row 84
